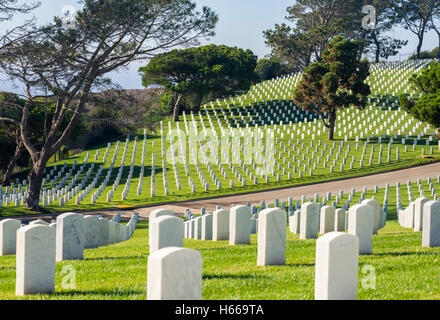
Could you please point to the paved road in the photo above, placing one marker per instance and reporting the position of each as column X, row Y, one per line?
column 402, row 176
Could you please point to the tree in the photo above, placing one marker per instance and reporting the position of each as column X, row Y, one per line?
column 8, row 8
column 40, row 114
column 336, row 82
column 270, row 68
column 427, row 108
column 197, row 72
column 315, row 23
column 426, row 54
column 70, row 62
column 417, row 17
column 289, row 46
column 435, row 25
column 8, row 102
column 378, row 42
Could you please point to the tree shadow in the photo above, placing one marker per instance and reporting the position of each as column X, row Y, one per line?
column 3, row 268
column 115, row 258
column 98, row 292
column 232, row 276
column 308, row 265
column 398, row 254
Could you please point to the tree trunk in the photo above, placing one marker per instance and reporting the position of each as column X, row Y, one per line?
column 36, row 177
column 438, row 54
column 331, row 123
column 8, row 174
column 419, row 47
column 177, row 109
column 377, row 44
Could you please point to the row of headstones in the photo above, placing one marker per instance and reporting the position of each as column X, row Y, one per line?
column 320, row 124
column 217, row 182
column 384, row 136
column 312, row 219
column 17, row 196
column 141, row 175
column 39, row 245
column 423, row 215
column 399, row 76
column 61, row 192
column 261, row 87
column 344, row 160
column 175, row 272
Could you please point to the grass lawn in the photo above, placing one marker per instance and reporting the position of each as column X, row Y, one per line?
column 409, row 159
column 402, row 270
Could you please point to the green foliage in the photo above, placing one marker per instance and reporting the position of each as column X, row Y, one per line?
column 434, row 54
column 270, row 68
column 7, row 145
column 315, row 23
column 417, row 17
column 198, row 72
column 334, row 83
column 427, row 108
column 378, row 42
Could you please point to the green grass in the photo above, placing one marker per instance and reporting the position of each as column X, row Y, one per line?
column 403, row 270
column 262, row 98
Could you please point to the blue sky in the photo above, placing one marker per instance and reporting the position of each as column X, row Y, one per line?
column 241, row 24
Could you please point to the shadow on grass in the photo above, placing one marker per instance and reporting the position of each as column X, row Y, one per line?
column 398, row 254
column 99, row 292
column 144, row 226
column 115, row 258
column 232, row 276
column 308, row 265
column 223, row 248
column 7, row 268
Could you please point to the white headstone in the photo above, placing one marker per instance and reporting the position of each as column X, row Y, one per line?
column 117, row 234
column 8, row 236
column 197, row 228
column 240, row 225
column 336, row 269
column 91, row 232
column 207, row 226
column 103, row 239
column 340, row 224
column 35, row 260
column 309, row 221
column 360, row 224
column 431, row 224
column 70, row 236
column 377, row 213
column 160, row 212
column 39, row 221
column 112, row 236
column 294, row 222
column 418, row 213
column 220, row 225
column 409, row 215
column 174, row 274
column 165, row 231
column 327, row 222
column 272, row 225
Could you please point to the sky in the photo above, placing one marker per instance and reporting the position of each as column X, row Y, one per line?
column 241, row 23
